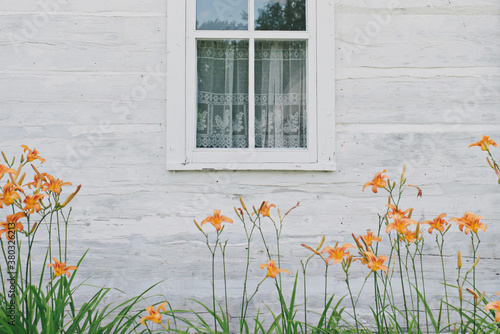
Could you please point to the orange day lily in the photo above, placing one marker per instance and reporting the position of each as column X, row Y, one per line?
column 375, row 262
column 494, row 306
column 12, row 225
column 484, row 143
column 377, row 182
column 10, row 194
column 216, row 220
column 54, row 185
column 42, row 177
column 154, row 315
column 471, row 222
column 412, row 236
column 33, row 203
column 4, row 169
column 395, row 212
column 32, row 154
column 336, row 253
column 369, row 238
column 60, row 269
column 272, row 270
column 264, row 209
column 437, row 223
column 399, row 224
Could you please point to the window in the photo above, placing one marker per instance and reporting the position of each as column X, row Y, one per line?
column 250, row 84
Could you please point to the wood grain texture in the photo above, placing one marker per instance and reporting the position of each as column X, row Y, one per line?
column 416, row 83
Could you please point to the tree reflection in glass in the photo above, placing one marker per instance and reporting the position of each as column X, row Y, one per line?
column 221, row 14
column 280, row 15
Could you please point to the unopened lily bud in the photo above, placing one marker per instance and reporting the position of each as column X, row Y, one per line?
column 70, row 197
column 403, row 174
column 481, row 297
column 389, row 199
column 460, row 294
column 38, row 186
column 197, row 225
column 410, row 213
column 243, row 204
column 489, row 163
column 4, row 157
column 417, row 230
column 459, row 260
column 320, row 243
column 20, row 182
column 360, row 247
column 237, row 213
column 36, row 171
column 33, row 228
column 472, row 292
column 14, row 177
column 477, row 260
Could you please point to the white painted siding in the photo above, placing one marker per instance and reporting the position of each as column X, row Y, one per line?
column 415, row 84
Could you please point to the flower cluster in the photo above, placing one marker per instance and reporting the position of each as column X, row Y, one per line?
column 26, row 199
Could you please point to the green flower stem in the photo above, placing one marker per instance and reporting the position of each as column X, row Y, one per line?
column 398, row 243
column 223, row 251
column 352, row 299
column 440, row 246
column 326, row 282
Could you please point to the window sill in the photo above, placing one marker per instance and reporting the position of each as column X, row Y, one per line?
column 251, row 166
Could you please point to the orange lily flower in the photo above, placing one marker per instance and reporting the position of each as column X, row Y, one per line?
column 32, row 154
column 264, row 209
column 484, row 143
column 272, row 270
column 375, row 262
column 4, row 169
column 12, row 225
column 216, row 220
column 54, row 185
column 411, row 236
column 471, row 222
column 395, row 212
column 33, row 203
column 10, row 194
column 60, row 269
column 369, row 238
column 154, row 315
column 494, row 306
column 336, row 253
column 377, row 182
column 400, row 225
column 437, row 223
column 36, row 179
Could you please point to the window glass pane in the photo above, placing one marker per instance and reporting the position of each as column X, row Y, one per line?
column 280, row 94
column 221, row 14
column 222, row 115
column 280, row 15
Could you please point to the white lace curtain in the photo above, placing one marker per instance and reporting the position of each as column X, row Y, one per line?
column 280, row 94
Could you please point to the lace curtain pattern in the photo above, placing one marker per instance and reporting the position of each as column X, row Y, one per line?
column 280, row 94
column 222, row 94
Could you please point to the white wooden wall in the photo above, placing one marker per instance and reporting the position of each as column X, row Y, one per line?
column 84, row 82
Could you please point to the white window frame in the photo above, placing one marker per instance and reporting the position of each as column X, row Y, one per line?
column 181, row 94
